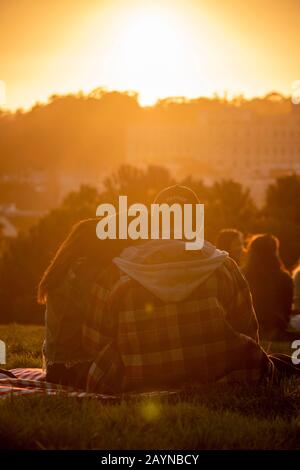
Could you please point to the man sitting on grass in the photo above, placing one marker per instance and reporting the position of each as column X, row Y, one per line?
column 176, row 317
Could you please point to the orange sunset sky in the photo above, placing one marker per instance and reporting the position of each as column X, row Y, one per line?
column 157, row 48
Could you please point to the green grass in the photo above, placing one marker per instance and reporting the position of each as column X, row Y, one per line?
column 23, row 345
column 209, row 418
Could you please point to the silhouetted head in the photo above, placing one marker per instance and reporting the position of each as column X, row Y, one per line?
column 177, row 194
column 81, row 242
column 187, row 218
column 232, row 241
column 263, row 253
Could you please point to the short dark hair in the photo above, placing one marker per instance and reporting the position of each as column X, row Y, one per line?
column 225, row 238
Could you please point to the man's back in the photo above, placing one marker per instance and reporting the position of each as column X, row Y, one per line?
column 180, row 317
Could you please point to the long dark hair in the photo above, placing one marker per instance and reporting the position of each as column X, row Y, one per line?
column 81, row 242
column 263, row 255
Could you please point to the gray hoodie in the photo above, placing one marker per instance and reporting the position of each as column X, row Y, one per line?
column 167, row 270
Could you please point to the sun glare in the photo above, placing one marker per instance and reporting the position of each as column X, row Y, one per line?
column 153, row 54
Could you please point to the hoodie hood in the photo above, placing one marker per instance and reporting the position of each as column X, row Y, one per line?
column 167, row 269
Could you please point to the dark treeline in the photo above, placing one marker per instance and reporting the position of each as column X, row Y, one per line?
column 47, row 151
column 227, row 204
column 56, row 136
column 72, row 132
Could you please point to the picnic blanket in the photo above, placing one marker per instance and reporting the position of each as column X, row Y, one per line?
column 32, row 382
column 28, row 381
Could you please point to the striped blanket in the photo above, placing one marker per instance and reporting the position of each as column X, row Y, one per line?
column 32, row 382
column 28, row 381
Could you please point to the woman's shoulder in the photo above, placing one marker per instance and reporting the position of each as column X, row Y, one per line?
column 285, row 277
column 74, row 282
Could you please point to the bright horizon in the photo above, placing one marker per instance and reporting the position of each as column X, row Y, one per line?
column 159, row 49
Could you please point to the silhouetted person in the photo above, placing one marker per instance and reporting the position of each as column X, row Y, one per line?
column 68, row 288
column 271, row 285
column 232, row 241
column 176, row 317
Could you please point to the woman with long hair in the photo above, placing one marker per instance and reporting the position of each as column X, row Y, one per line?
column 270, row 284
column 66, row 289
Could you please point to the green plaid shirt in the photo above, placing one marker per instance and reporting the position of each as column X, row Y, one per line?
column 142, row 343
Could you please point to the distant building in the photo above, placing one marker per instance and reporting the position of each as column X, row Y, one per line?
column 251, row 147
